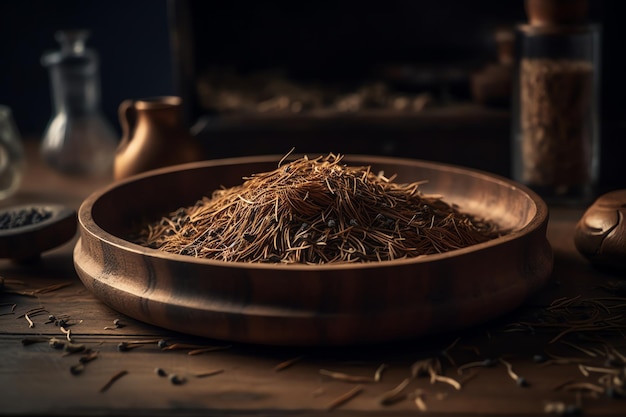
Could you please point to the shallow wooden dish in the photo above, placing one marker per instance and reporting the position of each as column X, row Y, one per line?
column 26, row 243
column 312, row 305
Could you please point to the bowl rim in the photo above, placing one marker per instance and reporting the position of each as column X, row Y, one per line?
column 88, row 224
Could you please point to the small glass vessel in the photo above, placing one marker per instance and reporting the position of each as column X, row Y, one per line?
column 11, row 154
column 78, row 140
column 556, row 136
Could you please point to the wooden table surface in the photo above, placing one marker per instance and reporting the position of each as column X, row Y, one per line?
column 577, row 317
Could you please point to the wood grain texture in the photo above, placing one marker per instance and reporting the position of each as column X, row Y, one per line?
column 312, row 305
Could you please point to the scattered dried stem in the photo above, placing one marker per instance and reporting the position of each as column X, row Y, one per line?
column 509, row 368
column 432, row 367
column 67, row 333
column 418, row 399
column 580, row 317
column 209, row 373
column 483, row 363
column 395, row 394
column 288, row 363
column 447, row 380
column 378, row 375
column 344, row 398
column 127, row 345
column 581, row 386
column 207, row 349
column 586, row 369
column 13, row 307
column 446, row 352
column 195, row 349
column 82, row 361
column 340, row 376
column 39, row 291
column 30, row 322
column 587, row 352
column 112, row 380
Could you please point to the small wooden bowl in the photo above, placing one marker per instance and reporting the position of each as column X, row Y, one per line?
column 26, row 242
column 332, row 304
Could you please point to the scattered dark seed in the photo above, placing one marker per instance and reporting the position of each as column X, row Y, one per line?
column 77, row 369
column 31, row 340
column 176, row 380
column 74, row 347
column 88, row 357
column 23, row 217
column 521, row 381
column 56, row 343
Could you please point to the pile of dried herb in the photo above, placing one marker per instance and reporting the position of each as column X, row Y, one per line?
column 316, row 211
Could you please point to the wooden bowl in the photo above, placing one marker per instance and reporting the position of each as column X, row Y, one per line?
column 332, row 304
column 28, row 230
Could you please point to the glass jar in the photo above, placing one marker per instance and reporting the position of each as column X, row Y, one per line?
column 78, row 139
column 11, row 154
column 556, row 137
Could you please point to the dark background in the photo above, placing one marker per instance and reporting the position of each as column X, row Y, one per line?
column 131, row 37
column 343, row 41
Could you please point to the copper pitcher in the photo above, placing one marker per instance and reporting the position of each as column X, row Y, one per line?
column 154, row 136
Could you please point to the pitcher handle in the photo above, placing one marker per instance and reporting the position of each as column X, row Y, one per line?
column 128, row 119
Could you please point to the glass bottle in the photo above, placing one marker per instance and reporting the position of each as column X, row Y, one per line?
column 556, row 138
column 11, row 154
column 78, row 140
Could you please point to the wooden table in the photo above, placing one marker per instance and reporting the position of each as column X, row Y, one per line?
column 238, row 380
